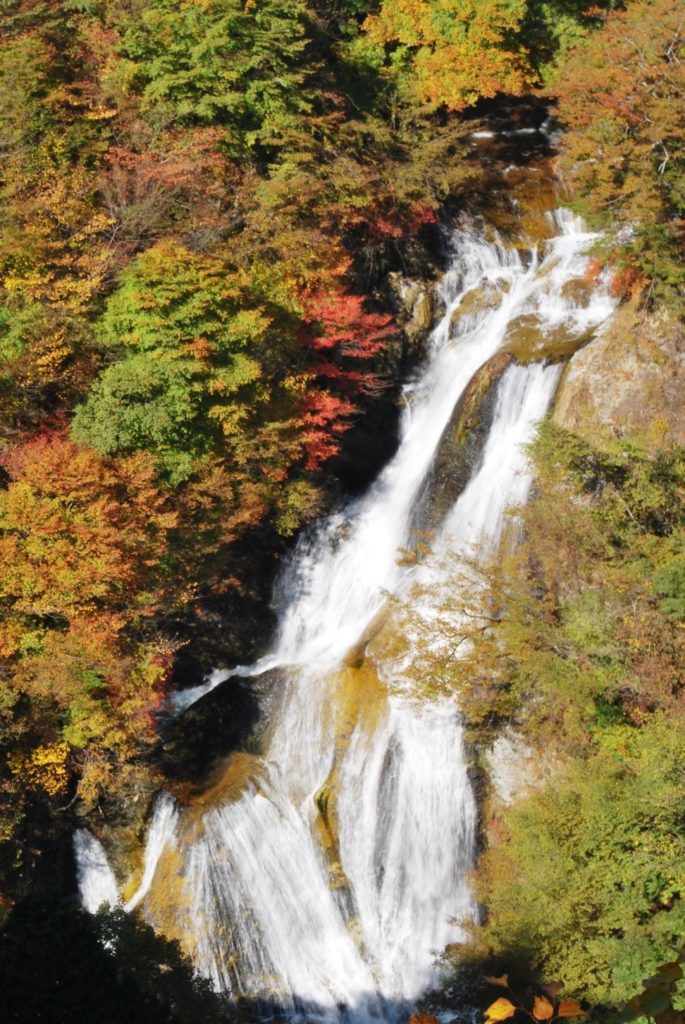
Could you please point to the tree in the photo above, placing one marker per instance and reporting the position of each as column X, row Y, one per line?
column 620, row 97
column 200, row 367
column 573, row 643
column 220, row 62
column 82, row 543
column 453, row 54
column 54, row 257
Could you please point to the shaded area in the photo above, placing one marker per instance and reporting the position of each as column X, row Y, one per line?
column 59, row 965
column 228, row 718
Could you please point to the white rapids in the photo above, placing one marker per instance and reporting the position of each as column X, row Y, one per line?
column 352, row 931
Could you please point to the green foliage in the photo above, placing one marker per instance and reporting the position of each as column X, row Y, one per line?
column 660, row 996
column 669, row 584
column 552, row 28
column 186, row 385
column 604, row 911
column 222, row 62
column 577, row 640
column 149, row 402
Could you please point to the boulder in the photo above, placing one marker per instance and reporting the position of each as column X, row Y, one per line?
column 460, row 447
column 228, row 718
column 627, row 380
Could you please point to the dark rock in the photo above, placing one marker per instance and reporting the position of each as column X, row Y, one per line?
column 459, row 451
column 230, row 717
column 369, row 443
column 231, row 623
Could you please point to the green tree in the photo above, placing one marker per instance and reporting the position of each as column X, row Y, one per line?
column 202, row 368
column 222, row 62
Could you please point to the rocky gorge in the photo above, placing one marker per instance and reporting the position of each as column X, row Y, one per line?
column 359, row 743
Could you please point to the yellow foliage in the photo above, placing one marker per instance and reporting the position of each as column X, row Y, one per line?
column 44, row 768
column 501, row 1009
column 461, row 49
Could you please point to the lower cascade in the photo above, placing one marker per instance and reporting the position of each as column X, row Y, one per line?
column 325, row 876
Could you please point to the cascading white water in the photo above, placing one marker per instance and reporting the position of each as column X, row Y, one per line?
column 266, row 919
column 95, row 878
column 338, row 575
column 96, row 882
column 161, row 834
column 406, row 810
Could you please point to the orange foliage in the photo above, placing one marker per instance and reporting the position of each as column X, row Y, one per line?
column 80, row 537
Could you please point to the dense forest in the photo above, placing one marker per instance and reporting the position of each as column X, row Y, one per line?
column 202, row 203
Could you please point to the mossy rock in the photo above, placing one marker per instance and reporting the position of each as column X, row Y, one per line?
column 629, row 380
column 357, row 693
column 528, row 342
column 422, row 314
column 354, row 658
column 486, row 297
column 240, row 771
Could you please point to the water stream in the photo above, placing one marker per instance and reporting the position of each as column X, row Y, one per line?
column 329, row 884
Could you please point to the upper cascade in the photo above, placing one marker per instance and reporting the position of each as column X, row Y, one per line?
column 337, row 578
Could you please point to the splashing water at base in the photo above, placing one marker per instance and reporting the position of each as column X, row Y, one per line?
column 330, row 884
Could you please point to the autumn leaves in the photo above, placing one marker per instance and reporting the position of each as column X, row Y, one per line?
column 545, row 1007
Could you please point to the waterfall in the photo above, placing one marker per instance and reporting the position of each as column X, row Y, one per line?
column 96, row 882
column 330, row 883
column 161, row 834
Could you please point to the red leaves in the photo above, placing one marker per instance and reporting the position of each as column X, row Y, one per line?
column 180, row 179
column 186, row 162
column 391, row 220
column 339, row 335
column 341, row 324
column 326, row 416
column 627, row 281
column 419, row 216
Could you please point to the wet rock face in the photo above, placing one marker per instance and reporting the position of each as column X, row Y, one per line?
column 629, row 379
column 369, row 443
column 527, row 343
column 461, row 445
column 227, row 718
column 413, row 300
